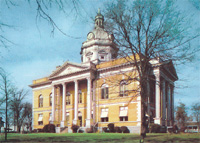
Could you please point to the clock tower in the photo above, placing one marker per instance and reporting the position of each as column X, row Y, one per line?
column 99, row 46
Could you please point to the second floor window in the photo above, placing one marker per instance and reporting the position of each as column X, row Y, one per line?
column 50, row 99
column 68, row 98
column 40, row 100
column 80, row 96
column 104, row 91
column 123, row 89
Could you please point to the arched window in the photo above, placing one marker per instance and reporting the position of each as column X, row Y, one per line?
column 104, row 91
column 50, row 99
column 79, row 96
column 40, row 100
column 68, row 98
column 123, row 89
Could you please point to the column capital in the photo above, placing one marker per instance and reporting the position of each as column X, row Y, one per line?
column 88, row 78
column 64, row 83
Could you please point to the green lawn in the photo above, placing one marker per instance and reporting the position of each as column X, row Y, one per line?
column 102, row 138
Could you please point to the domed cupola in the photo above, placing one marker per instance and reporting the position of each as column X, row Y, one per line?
column 99, row 46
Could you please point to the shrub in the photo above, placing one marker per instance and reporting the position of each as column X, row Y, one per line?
column 170, row 130
column 89, row 130
column 124, row 129
column 105, row 129
column 75, row 128
column 175, row 129
column 154, row 128
column 40, row 130
column 49, row 128
column 111, row 127
column 80, row 131
column 118, row 130
column 182, row 129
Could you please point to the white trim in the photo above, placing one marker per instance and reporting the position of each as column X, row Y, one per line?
column 139, row 112
column 72, row 78
column 106, row 74
column 42, row 87
column 42, row 111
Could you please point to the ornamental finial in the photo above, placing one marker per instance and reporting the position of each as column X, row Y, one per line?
column 99, row 11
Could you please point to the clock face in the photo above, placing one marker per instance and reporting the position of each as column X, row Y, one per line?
column 90, row 36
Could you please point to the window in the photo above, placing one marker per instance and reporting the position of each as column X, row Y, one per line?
column 68, row 98
column 102, row 57
column 104, row 119
column 104, row 91
column 123, row 113
column 123, row 89
column 40, row 119
column 67, row 116
column 124, row 118
column 40, row 100
column 104, row 115
column 89, row 56
column 79, row 96
column 50, row 117
column 50, row 99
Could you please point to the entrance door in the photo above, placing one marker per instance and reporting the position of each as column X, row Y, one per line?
column 80, row 119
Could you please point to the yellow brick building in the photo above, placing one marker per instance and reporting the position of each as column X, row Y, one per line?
column 98, row 92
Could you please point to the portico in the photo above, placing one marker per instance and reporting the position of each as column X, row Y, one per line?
column 74, row 86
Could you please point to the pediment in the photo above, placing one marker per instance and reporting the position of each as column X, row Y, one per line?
column 171, row 69
column 67, row 68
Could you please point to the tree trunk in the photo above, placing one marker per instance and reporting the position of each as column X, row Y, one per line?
column 6, row 117
column 143, row 94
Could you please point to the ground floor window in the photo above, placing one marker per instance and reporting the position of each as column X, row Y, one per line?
column 123, row 118
column 40, row 119
column 105, row 119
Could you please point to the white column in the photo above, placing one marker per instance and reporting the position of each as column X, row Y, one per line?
column 63, row 105
column 75, row 102
column 168, row 104
column 53, row 104
column 172, row 104
column 94, row 102
column 164, row 101
column 157, row 119
column 89, row 105
column 148, row 96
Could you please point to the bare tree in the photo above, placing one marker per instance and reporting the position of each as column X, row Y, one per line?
column 5, row 91
column 27, row 114
column 196, row 113
column 17, row 106
column 147, row 29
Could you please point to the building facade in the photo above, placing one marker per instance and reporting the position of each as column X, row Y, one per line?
column 98, row 91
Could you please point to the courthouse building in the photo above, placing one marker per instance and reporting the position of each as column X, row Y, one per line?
column 97, row 91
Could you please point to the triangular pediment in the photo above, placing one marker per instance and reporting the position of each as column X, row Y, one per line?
column 67, row 68
column 171, row 69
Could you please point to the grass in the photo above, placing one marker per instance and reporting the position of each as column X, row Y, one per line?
column 102, row 138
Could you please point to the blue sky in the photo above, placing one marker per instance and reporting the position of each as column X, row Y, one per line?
column 37, row 52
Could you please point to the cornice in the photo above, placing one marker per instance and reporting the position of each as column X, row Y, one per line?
column 40, row 84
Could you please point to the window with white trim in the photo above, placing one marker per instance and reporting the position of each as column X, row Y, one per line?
column 104, row 91
column 67, row 116
column 123, row 89
column 40, row 119
column 40, row 101
column 80, row 96
column 68, row 98
column 50, row 99
column 123, row 113
column 104, row 115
